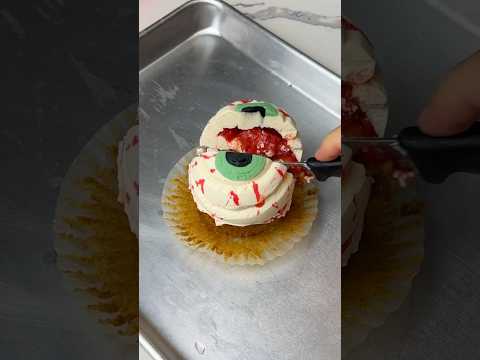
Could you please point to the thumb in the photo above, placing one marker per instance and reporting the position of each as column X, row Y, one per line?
column 456, row 104
column 331, row 146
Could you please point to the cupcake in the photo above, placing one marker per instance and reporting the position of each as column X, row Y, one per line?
column 382, row 237
column 236, row 199
column 96, row 225
column 356, row 187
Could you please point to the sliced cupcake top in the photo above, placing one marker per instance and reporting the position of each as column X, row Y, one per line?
column 255, row 127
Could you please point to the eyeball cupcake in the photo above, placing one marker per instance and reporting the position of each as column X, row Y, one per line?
column 236, row 199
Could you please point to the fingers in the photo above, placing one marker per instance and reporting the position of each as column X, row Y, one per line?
column 331, row 146
column 456, row 104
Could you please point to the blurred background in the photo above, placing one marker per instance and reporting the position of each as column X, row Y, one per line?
column 416, row 42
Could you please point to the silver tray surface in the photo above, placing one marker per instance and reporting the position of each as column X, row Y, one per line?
column 194, row 61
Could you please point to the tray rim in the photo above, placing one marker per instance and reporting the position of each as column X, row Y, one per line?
column 146, row 330
column 219, row 4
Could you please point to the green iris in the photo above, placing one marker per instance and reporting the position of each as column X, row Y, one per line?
column 238, row 166
column 266, row 108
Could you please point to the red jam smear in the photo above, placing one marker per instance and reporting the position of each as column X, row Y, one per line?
column 263, row 141
column 260, row 141
column 355, row 122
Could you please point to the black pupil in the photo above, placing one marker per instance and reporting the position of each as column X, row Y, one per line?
column 238, row 159
column 253, row 109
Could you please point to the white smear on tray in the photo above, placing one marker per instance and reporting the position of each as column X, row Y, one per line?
column 200, row 347
column 100, row 89
column 305, row 17
column 455, row 16
column 180, row 140
column 248, row 5
column 15, row 25
column 161, row 96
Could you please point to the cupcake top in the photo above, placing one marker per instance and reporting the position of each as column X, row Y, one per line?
column 364, row 101
column 247, row 185
column 256, row 127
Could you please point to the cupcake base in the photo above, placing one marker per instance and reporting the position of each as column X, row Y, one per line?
column 97, row 251
column 378, row 278
column 249, row 245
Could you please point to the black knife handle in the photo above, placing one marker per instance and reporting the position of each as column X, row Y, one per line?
column 438, row 157
column 325, row 169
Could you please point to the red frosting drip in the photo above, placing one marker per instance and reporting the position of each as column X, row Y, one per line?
column 234, row 196
column 284, row 112
column 347, row 243
column 201, row 183
column 258, row 196
column 135, row 140
column 355, row 121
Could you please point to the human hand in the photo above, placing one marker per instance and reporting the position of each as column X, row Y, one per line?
column 331, row 146
column 455, row 106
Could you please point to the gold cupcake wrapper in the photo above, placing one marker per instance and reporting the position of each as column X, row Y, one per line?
column 378, row 278
column 96, row 249
column 249, row 245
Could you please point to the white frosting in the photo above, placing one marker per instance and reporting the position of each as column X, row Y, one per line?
column 355, row 194
column 371, row 94
column 257, row 201
column 359, row 69
column 358, row 62
column 228, row 118
column 127, row 175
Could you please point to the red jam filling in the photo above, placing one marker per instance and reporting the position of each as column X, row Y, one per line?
column 355, row 123
column 263, row 141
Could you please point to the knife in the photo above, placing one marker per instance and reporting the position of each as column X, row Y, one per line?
column 322, row 170
column 435, row 158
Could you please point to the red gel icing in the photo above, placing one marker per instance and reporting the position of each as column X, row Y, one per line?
column 258, row 196
column 201, row 183
column 355, row 121
column 280, row 172
column 234, row 196
column 284, row 112
column 135, row 140
column 212, row 170
column 346, row 244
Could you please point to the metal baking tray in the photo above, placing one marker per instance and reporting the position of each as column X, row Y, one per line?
column 192, row 62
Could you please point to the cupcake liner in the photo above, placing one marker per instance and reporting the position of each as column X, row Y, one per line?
column 378, row 278
column 96, row 249
column 250, row 245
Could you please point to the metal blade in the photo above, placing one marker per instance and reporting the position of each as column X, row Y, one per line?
column 390, row 142
column 369, row 140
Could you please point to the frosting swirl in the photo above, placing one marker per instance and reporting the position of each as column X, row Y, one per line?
column 257, row 200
